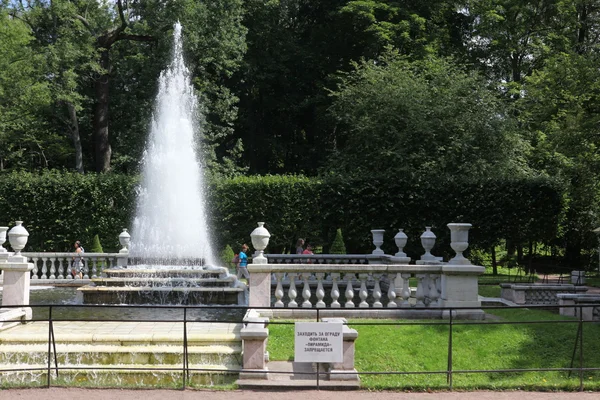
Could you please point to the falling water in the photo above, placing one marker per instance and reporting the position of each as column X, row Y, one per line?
column 170, row 221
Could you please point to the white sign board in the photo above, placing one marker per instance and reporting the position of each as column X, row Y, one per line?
column 318, row 342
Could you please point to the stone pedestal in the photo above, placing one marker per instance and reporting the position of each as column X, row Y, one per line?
column 254, row 338
column 259, row 285
column 16, row 271
column 460, row 289
column 345, row 370
column 122, row 259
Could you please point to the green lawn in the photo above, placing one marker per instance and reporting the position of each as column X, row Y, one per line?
column 403, row 347
column 489, row 290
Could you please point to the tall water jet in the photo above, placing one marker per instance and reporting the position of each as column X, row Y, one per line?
column 170, row 222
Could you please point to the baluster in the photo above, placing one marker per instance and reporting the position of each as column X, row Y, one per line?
column 94, row 266
column 103, row 266
column 405, row 289
column 426, row 288
column 34, row 272
column 60, row 268
column 111, row 263
column 320, row 290
column 306, row 291
column 363, row 293
column 349, row 291
column 52, row 268
column 279, row 289
column 433, row 293
column 292, row 293
column 377, row 292
column 335, row 291
column 392, row 291
column 85, row 262
column 420, row 291
column 44, row 268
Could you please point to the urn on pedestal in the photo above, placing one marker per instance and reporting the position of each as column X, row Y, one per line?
column 378, row 240
column 124, row 239
column 428, row 241
column 400, row 240
column 260, row 239
column 17, row 237
column 459, row 241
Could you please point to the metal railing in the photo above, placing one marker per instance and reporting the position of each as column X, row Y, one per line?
column 451, row 322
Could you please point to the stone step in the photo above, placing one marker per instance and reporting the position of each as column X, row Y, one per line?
column 165, row 273
column 162, row 295
column 156, row 283
column 98, row 376
column 83, row 354
column 294, row 375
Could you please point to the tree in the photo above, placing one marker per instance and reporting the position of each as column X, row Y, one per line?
column 420, row 118
column 24, row 96
column 560, row 113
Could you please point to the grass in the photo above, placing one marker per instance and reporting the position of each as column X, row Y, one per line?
column 403, row 347
column 489, row 290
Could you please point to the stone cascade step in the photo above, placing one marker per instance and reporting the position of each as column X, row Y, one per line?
column 161, row 295
column 148, row 376
column 166, row 273
column 148, row 354
column 104, row 354
column 165, row 282
column 210, row 285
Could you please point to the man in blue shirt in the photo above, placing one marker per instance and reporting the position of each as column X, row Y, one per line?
column 242, row 266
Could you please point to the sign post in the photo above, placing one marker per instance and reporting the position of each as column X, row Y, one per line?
column 319, row 342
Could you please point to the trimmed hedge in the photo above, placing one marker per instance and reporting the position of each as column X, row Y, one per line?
column 61, row 207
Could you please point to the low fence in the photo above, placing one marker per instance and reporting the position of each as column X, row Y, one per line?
column 577, row 366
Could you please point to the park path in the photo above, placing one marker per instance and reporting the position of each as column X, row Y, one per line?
column 118, row 394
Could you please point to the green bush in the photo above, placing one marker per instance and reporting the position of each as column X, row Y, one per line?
column 226, row 256
column 96, row 246
column 338, row 246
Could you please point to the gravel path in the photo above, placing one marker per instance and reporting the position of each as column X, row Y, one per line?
column 117, row 394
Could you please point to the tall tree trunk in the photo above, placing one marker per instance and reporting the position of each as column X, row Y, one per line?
column 494, row 261
column 75, row 137
column 101, row 140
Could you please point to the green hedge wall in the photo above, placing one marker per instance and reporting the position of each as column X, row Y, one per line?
column 60, row 207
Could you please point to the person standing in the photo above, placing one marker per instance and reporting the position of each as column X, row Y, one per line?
column 77, row 268
column 242, row 265
column 308, row 250
column 300, row 246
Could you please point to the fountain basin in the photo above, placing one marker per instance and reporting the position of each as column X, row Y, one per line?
column 165, row 286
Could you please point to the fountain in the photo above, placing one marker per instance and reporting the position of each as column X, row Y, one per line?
column 170, row 259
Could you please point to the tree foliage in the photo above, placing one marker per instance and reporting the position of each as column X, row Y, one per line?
column 416, row 118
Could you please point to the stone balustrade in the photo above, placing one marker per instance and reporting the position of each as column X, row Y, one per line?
column 376, row 286
column 58, row 266
column 590, row 310
column 537, row 293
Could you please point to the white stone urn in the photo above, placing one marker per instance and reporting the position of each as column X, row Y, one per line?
column 378, row 240
column 428, row 241
column 18, row 236
column 459, row 241
column 124, row 239
column 400, row 240
column 3, row 230
column 260, row 240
